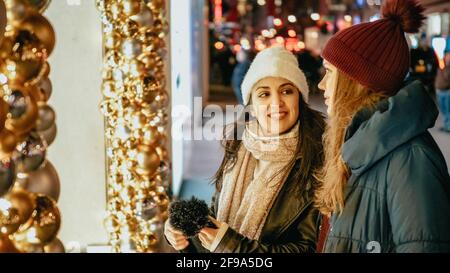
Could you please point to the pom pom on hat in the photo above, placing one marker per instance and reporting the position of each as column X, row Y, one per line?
column 408, row 13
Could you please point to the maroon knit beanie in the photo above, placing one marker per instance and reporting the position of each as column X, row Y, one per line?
column 376, row 54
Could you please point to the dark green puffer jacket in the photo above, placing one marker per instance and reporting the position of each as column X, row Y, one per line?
column 398, row 196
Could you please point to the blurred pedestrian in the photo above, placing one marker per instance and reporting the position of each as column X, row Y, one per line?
column 424, row 64
column 310, row 65
column 244, row 59
column 443, row 92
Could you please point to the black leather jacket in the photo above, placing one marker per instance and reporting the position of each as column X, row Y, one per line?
column 291, row 227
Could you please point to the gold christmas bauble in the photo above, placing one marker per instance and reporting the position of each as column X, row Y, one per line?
column 147, row 159
column 43, row 226
column 6, row 246
column 8, row 142
column 23, row 110
column 22, row 204
column 131, row 7
column 38, row 26
column 56, row 246
column 45, row 181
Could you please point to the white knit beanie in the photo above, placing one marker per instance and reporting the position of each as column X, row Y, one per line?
column 274, row 62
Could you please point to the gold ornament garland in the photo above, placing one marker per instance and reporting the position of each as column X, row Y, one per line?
column 135, row 108
column 29, row 185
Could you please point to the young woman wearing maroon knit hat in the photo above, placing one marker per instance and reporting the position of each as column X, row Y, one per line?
column 385, row 183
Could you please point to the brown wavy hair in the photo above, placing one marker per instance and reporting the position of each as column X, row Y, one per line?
column 309, row 146
column 349, row 98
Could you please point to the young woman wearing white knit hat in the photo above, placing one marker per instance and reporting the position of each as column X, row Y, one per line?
column 265, row 184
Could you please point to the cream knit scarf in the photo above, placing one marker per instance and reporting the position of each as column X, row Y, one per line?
column 250, row 188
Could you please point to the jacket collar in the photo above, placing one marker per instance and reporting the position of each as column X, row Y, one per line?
column 394, row 121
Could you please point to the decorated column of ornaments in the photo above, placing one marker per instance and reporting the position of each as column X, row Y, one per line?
column 29, row 184
column 135, row 107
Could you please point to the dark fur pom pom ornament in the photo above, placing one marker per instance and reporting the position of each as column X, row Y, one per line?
column 189, row 216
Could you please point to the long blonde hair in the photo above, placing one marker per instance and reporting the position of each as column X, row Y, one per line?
column 349, row 98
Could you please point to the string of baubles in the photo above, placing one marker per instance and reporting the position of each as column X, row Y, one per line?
column 29, row 184
column 135, row 108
